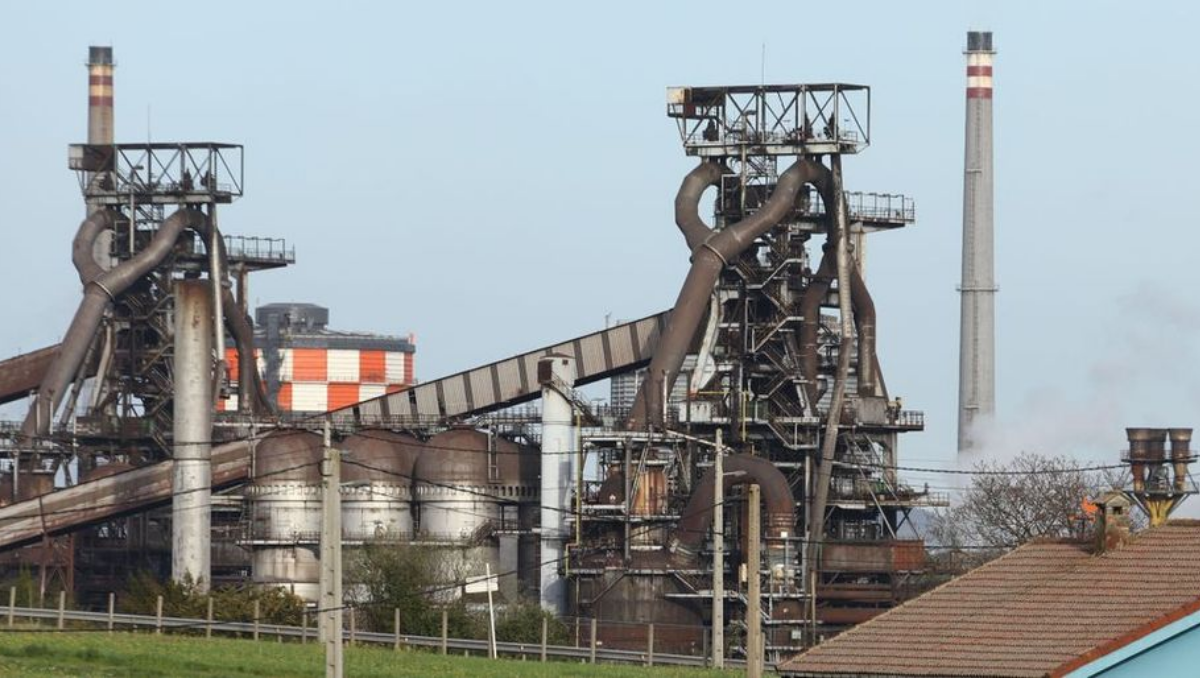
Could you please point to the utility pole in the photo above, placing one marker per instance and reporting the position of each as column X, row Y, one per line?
column 754, row 640
column 718, row 564
column 331, row 557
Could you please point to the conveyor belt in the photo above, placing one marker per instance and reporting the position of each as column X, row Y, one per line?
column 22, row 374
column 598, row 355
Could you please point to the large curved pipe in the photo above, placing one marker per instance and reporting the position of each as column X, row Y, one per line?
column 864, row 324
column 810, row 312
column 687, row 202
column 98, row 292
column 687, row 538
column 707, row 261
column 83, row 246
column 250, row 392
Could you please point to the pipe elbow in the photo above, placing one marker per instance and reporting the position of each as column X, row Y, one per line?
column 687, row 202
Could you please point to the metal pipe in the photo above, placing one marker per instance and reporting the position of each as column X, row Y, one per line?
column 688, row 536
column 1181, row 456
column 556, row 373
column 864, row 325
column 1140, row 441
column 191, row 477
column 97, row 294
column 816, row 516
column 707, row 261
column 687, row 202
column 810, row 324
column 83, row 247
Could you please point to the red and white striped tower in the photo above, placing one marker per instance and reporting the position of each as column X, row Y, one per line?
column 977, row 348
column 100, row 96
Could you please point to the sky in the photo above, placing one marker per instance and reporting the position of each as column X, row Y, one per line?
column 496, row 177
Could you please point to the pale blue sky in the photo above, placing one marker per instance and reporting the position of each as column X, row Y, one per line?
column 499, row 176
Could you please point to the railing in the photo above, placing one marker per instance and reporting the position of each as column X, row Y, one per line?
column 256, row 629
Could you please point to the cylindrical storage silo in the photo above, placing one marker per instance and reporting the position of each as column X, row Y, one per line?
column 377, row 477
column 285, row 509
column 458, row 501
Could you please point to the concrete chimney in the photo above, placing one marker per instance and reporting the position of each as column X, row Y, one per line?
column 977, row 339
column 100, row 96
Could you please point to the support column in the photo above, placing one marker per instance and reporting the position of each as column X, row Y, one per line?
column 556, row 373
column 191, row 480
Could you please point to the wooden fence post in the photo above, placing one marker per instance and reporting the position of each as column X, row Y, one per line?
column 353, row 627
column 445, row 631
column 208, row 620
column 592, row 656
column 158, row 616
column 303, row 626
column 62, row 609
column 650, row 646
column 12, row 604
column 112, row 610
column 396, row 628
column 545, row 635
column 256, row 618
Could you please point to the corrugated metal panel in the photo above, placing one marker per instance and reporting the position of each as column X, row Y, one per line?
column 369, row 391
column 342, row 366
column 427, row 404
column 630, row 347
column 394, row 369
column 591, row 358
column 309, row 364
column 454, row 395
column 482, row 388
column 231, row 363
column 309, row 397
column 285, row 365
column 342, row 395
column 510, row 379
column 284, row 399
column 372, row 367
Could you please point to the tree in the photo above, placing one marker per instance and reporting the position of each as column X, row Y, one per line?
column 1010, row 503
column 412, row 579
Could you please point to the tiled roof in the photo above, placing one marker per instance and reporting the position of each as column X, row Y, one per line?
column 1024, row 614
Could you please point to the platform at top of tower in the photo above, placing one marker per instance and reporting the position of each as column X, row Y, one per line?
column 739, row 120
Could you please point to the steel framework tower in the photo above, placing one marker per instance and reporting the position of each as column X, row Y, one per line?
column 977, row 347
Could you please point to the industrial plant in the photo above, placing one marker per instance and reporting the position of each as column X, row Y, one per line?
column 173, row 432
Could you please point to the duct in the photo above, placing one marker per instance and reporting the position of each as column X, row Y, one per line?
column 83, row 247
column 688, row 536
column 191, row 477
column 707, row 261
column 1181, row 456
column 810, row 325
column 251, row 398
column 97, row 294
column 864, row 324
column 687, row 202
column 816, row 516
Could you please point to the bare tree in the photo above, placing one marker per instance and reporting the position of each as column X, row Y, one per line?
column 1010, row 503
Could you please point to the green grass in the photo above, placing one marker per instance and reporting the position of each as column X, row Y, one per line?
column 142, row 655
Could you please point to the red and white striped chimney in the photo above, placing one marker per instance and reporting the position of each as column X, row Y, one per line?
column 100, row 96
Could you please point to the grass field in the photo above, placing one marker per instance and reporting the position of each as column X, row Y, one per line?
column 96, row 655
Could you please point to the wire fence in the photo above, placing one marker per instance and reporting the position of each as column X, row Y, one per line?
column 588, row 646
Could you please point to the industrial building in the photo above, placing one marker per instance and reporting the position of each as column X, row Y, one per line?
column 165, row 393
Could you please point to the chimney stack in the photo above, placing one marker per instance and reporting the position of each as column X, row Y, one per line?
column 100, row 96
column 1181, row 456
column 977, row 338
column 1114, row 526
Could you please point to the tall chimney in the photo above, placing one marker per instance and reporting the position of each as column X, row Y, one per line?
column 100, row 96
column 977, row 347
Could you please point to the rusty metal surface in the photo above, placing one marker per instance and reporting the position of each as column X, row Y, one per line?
column 120, row 494
column 599, row 355
column 891, row 556
column 22, row 374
